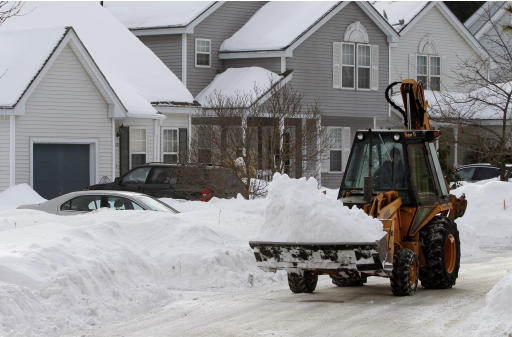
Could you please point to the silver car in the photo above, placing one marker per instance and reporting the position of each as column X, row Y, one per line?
column 87, row 201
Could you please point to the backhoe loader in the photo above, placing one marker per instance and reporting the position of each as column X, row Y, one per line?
column 394, row 176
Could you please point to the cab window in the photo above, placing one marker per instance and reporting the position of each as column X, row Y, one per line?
column 420, row 175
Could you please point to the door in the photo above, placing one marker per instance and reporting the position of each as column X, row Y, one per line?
column 135, row 179
column 60, row 168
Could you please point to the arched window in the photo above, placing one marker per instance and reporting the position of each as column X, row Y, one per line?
column 428, row 64
column 356, row 33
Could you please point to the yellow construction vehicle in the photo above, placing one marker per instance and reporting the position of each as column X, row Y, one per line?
column 395, row 176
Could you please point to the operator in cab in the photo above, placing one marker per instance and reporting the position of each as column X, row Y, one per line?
column 391, row 173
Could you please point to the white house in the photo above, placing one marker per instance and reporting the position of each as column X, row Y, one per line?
column 73, row 79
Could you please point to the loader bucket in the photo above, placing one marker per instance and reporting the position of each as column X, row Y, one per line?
column 328, row 258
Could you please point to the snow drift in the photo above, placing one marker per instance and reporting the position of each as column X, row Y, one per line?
column 298, row 211
column 17, row 195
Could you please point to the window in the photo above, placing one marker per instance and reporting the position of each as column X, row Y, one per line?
column 347, row 65
column 428, row 70
column 84, row 203
column 203, row 52
column 170, row 145
column 121, row 203
column 420, row 175
column 363, row 66
column 137, row 146
column 137, row 176
column 335, row 142
column 162, row 175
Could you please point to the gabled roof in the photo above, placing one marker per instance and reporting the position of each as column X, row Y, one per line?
column 395, row 10
column 283, row 25
column 150, row 17
column 479, row 18
column 136, row 75
column 243, row 85
column 399, row 13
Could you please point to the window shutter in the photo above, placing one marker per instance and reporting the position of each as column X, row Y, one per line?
column 346, row 145
column 325, row 155
column 124, row 149
column 336, row 65
column 374, row 62
column 183, row 145
column 444, row 71
column 412, row 66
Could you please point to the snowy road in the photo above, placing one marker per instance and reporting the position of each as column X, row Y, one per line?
column 330, row 311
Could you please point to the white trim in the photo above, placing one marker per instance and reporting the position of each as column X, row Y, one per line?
column 93, row 154
column 283, row 64
column 135, row 127
column 184, row 59
column 280, row 84
column 177, row 153
column 165, row 109
column 114, row 159
column 389, row 76
column 254, row 54
column 204, row 53
column 156, row 140
column 488, row 25
column 12, row 150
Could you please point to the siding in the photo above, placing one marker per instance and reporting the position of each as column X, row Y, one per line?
column 220, row 25
column 489, row 39
column 4, row 152
column 66, row 104
column 312, row 66
column 450, row 44
column 167, row 48
column 272, row 64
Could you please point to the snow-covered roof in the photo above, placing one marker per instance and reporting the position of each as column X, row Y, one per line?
column 157, row 14
column 136, row 75
column 23, row 54
column 479, row 18
column 276, row 25
column 399, row 13
column 247, row 84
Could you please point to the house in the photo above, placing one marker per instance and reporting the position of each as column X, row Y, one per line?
column 433, row 43
column 82, row 99
column 336, row 52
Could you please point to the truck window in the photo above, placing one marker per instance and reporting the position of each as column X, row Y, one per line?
column 420, row 175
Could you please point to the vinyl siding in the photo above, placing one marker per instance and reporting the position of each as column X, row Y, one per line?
column 168, row 48
column 66, row 104
column 450, row 44
column 220, row 25
column 492, row 47
column 4, row 152
column 312, row 68
column 272, row 64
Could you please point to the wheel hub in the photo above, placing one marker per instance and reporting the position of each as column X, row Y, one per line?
column 413, row 272
column 450, row 253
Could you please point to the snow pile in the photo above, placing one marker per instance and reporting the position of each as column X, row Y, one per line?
column 277, row 24
column 495, row 319
column 243, row 85
column 137, row 76
column 486, row 223
column 150, row 14
column 298, row 211
column 19, row 195
column 60, row 273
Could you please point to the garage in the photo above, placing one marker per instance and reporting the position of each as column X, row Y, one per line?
column 60, row 168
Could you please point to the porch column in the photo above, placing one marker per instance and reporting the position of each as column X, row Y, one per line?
column 12, row 150
column 318, row 174
column 114, row 159
column 244, row 135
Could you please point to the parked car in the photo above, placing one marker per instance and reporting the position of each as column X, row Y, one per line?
column 476, row 172
column 178, row 181
column 86, row 201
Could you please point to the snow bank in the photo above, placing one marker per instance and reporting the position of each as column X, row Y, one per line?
column 298, row 211
column 486, row 223
column 495, row 319
column 19, row 195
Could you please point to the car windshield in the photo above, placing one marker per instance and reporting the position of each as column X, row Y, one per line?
column 466, row 174
column 155, row 204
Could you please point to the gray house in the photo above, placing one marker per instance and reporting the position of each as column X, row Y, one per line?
column 81, row 98
column 336, row 52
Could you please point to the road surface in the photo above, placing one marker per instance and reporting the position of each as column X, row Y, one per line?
column 330, row 311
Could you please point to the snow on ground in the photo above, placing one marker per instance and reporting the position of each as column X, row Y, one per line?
column 17, row 195
column 59, row 274
column 297, row 211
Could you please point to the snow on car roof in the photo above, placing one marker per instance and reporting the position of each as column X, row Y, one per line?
column 399, row 13
column 153, row 14
column 241, row 83
column 134, row 72
column 277, row 24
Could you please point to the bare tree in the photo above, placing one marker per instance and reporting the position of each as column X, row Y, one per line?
column 8, row 9
column 276, row 132
column 489, row 97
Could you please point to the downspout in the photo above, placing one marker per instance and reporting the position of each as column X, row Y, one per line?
column 114, row 159
column 12, row 150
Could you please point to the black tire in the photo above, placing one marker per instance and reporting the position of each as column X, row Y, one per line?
column 341, row 281
column 302, row 283
column 404, row 278
column 440, row 271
